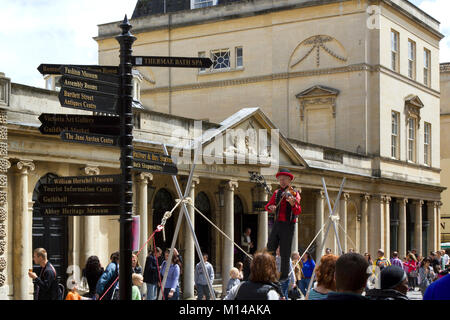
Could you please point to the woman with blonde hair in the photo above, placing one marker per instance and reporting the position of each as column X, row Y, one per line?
column 325, row 278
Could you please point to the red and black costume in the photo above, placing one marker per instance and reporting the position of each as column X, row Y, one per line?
column 283, row 228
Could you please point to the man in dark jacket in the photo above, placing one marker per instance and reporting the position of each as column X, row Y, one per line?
column 46, row 284
column 151, row 274
column 351, row 273
column 393, row 285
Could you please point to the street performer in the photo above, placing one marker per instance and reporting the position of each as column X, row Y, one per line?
column 285, row 203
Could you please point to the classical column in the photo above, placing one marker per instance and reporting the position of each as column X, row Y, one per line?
column 431, row 213
column 189, row 248
column 320, row 212
column 376, row 223
column 418, row 226
column 294, row 246
column 387, row 226
column 22, row 230
column 228, row 228
column 261, row 195
column 143, row 179
column 438, row 222
column 365, row 223
column 343, row 221
column 90, row 224
column 402, row 227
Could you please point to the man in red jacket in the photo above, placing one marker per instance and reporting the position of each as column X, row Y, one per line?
column 286, row 208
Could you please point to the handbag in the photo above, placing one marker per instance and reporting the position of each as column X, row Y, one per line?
column 83, row 288
column 294, row 294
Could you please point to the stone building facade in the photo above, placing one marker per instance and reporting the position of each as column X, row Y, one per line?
column 445, row 151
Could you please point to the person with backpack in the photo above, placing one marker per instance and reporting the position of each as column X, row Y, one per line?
column 381, row 262
column 46, row 284
column 263, row 281
column 107, row 279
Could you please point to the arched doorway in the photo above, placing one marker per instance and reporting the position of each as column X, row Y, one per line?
column 50, row 233
column 202, row 227
column 163, row 201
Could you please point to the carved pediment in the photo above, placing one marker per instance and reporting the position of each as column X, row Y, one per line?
column 317, row 95
column 413, row 104
column 317, row 91
column 248, row 135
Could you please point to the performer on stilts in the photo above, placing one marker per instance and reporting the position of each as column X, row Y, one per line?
column 285, row 203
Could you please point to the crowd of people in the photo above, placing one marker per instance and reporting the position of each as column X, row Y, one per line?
column 350, row 276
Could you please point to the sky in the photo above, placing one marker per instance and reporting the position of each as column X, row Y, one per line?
column 62, row 31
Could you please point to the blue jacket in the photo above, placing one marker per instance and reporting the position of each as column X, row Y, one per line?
column 308, row 268
column 172, row 277
column 107, row 277
column 438, row 290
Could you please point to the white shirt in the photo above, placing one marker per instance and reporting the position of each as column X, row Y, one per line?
column 445, row 256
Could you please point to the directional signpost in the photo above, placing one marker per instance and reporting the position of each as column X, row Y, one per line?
column 174, row 62
column 80, row 196
column 153, row 162
column 54, row 124
column 46, row 68
column 104, row 89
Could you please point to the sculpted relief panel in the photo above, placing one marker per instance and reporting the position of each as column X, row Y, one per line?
column 319, row 51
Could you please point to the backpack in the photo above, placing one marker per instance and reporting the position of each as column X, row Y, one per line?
column 382, row 263
column 60, row 293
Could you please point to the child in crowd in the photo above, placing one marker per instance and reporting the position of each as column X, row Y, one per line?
column 234, row 279
column 73, row 293
column 138, row 280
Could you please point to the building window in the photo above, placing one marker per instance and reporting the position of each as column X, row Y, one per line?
column 394, row 50
column 395, row 135
column 239, row 57
column 221, row 59
column 412, row 139
column 427, row 143
column 411, row 59
column 195, row 4
column 426, row 67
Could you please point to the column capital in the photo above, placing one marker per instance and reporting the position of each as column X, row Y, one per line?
column 386, row 198
column 23, row 166
column 402, row 201
column 144, row 177
column 230, row 185
column 417, row 202
column 195, row 180
column 366, row 197
column 320, row 193
column 90, row 170
column 345, row 196
column 432, row 204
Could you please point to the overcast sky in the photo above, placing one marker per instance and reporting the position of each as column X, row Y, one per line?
column 61, row 31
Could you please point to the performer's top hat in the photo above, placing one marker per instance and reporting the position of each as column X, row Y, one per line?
column 285, row 172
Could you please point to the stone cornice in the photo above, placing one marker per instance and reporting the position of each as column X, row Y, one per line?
column 288, row 75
